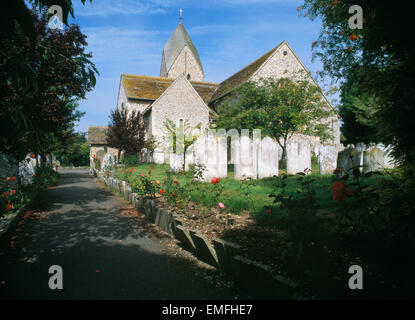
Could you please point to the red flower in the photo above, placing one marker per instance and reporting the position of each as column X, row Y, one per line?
column 8, row 179
column 174, row 194
column 93, row 156
column 268, row 211
column 131, row 170
column 175, row 181
column 12, row 192
column 9, row 206
column 161, row 191
column 353, row 37
column 215, row 180
column 4, row 195
column 14, row 178
column 107, row 173
column 33, row 156
column 298, row 9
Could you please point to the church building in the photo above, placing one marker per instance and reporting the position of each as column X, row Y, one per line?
column 180, row 92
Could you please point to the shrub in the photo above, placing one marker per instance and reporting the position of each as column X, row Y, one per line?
column 143, row 185
column 131, row 160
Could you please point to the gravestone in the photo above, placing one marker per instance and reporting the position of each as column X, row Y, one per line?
column 211, row 152
column 246, row 161
column 267, row 158
column 373, row 160
column 108, row 161
column 327, row 159
column 176, row 162
column 222, row 154
column 27, row 169
column 347, row 159
column 360, row 147
column 298, row 156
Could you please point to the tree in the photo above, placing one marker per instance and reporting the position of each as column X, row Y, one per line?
column 356, row 112
column 36, row 112
column 280, row 108
column 126, row 131
column 183, row 137
column 75, row 150
column 379, row 59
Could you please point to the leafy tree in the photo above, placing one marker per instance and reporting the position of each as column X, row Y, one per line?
column 183, row 137
column 75, row 150
column 126, row 131
column 379, row 59
column 356, row 113
column 279, row 108
column 41, row 110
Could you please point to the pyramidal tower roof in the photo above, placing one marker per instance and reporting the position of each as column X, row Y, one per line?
column 175, row 44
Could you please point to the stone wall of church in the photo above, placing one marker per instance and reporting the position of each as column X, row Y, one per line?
column 186, row 64
column 284, row 63
column 179, row 101
column 138, row 105
column 279, row 65
column 131, row 104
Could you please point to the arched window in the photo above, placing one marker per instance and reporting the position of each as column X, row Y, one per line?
column 181, row 123
column 188, row 76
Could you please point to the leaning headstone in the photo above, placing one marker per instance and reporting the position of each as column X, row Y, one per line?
column 298, row 156
column 246, row 163
column 267, row 158
column 327, row 159
column 347, row 159
column 373, row 160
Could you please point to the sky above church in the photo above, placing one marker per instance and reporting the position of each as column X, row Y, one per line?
column 127, row 36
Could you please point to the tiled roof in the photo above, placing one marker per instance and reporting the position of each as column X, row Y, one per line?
column 96, row 135
column 241, row 76
column 150, row 88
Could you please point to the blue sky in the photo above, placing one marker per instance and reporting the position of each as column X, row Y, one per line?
column 127, row 36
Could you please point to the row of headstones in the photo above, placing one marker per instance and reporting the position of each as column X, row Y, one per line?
column 372, row 157
column 252, row 159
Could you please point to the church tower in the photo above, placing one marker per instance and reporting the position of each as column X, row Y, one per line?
column 181, row 57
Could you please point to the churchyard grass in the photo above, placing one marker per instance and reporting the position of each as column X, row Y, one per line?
column 237, row 198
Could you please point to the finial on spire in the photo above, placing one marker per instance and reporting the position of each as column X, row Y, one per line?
column 181, row 17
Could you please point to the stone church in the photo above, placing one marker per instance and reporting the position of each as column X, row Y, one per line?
column 180, row 92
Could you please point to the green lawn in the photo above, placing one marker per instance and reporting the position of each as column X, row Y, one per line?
column 239, row 196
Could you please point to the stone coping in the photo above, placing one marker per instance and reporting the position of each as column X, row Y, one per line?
column 222, row 254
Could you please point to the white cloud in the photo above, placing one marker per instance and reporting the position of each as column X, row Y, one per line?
column 113, row 7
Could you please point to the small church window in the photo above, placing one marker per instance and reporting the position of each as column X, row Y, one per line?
column 188, row 76
column 285, row 53
column 181, row 123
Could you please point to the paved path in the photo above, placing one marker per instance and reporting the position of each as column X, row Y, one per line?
column 103, row 254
